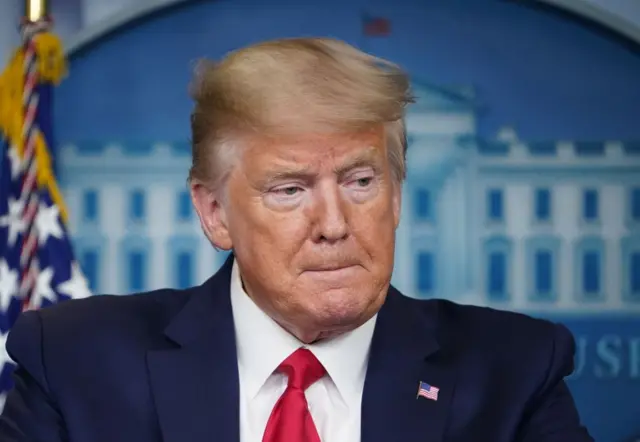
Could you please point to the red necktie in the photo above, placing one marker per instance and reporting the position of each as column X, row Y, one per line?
column 290, row 420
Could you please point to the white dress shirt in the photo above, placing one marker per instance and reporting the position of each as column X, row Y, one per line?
column 334, row 400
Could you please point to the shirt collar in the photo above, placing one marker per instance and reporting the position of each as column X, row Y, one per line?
column 262, row 345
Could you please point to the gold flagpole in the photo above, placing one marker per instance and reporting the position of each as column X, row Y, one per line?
column 43, row 46
column 36, row 10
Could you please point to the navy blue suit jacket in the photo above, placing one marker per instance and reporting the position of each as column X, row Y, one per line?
column 161, row 366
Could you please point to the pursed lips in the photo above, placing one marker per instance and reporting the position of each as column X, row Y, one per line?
column 331, row 267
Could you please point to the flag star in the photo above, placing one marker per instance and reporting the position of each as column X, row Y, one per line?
column 4, row 356
column 15, row 162
column 43, row 289
column 5, row 360
column 8, row 285
column 13, row 220
column 75, row 287
column 48, row 222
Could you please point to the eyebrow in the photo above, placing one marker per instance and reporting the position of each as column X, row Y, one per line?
column 290, row 172
column 364, row 158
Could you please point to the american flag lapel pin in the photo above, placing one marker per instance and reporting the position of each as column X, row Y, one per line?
column 427, row 391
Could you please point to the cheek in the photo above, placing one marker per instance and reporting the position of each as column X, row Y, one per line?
column 375, row 215
column 380, row 243
column 373, row 225
column 285, row 229
column 274, row 237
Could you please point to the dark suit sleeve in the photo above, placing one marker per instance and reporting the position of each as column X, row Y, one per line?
column 29, row 413
column 552, row 415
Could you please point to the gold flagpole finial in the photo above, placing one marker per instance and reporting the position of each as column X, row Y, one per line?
column 36, row 10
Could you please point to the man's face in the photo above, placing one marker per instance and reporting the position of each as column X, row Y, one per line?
column 312, row 224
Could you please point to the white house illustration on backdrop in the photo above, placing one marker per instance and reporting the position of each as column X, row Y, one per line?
column 549, row 226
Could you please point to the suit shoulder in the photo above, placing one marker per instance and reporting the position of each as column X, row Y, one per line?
column 511, row 345
column 500, row 331
column 93, row 326
column 146, row 311
column 475, row 315
column 492, row 320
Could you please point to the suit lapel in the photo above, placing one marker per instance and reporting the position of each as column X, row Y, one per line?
column 195, row 380
column 405, row 351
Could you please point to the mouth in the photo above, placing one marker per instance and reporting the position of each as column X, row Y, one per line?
column 327, row 268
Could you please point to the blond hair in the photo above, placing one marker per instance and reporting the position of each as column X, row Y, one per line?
column 293, row 86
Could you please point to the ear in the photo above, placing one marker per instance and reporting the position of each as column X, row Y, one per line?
column 397, row 202
column 213, row 217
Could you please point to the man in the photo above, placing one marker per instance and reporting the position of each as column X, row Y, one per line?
column 298, row 162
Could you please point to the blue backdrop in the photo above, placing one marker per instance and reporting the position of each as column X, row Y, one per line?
column 523, row 189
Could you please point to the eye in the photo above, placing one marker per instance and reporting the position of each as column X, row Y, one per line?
column 288, row 191
column 361, row 182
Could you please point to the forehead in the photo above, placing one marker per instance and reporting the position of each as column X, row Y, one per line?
column 320, row 148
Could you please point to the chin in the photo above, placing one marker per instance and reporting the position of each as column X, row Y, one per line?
column 343, row 308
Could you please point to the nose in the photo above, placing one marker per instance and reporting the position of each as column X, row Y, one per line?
column 330, row 216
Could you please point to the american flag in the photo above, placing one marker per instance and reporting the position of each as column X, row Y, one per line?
column 37, row 264
column 428, row 391
column 58, row 277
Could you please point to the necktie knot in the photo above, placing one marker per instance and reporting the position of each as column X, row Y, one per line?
column 290, row 418
column 302, row 368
